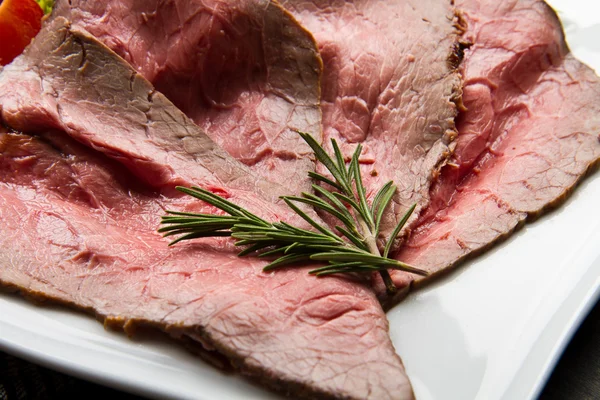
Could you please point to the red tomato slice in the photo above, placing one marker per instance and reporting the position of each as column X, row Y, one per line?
column 20, row 21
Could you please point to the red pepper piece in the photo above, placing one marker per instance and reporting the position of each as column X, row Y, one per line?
column 20, row 21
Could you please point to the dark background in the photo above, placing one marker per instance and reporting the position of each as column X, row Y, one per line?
column 577, row 375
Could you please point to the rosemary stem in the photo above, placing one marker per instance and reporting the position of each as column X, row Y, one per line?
column 389, row 283
column 371, row 243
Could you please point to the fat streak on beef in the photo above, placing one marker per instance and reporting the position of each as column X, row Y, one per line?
column 389, row 83
column 530, row 133
column 82, row 189
column 244, row 71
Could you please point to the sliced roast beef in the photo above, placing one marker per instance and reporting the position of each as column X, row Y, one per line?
column 530, row 133
column 389, row 83
column 81, row 192
column 245, row 71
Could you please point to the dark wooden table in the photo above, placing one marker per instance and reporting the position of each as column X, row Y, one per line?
column 576, row 377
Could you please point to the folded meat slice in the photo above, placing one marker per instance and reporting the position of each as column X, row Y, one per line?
column 244, row 71
column 530, row 133
column 81, row 193
column 389, row 83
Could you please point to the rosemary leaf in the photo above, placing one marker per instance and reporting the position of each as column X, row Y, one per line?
column 294, row 246
column 308, row 219
column 197, row 235
column 340, row 159
column 381, row 202
column 286, row 260
column 400, row 266
column 337, row 265
column 348, row 200
column 324, row 158
column 392, row 238
column 185, row 214
column 324, row 247
column 276, row 250
column 352, row 237
column 321, row 205
column 254, row 248
column 211, row 198
column 216, row 224
column 360, row 190
column 364, row 257
column 336, row 203
column 321, row 178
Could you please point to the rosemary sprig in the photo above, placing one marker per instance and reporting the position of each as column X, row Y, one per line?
column 353, row 249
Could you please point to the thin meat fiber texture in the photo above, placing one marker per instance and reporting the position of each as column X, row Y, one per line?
column 390, row 84
column 244, row 71
column 81, row 192
column 530, row 133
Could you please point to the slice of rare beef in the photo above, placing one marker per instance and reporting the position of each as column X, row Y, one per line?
column 389, row 82
column 530, row 133
column 245, row 71
column 81, row 193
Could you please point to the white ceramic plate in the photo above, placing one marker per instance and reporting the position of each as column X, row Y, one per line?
column 492, row 330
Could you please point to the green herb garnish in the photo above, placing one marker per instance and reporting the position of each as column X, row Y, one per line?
column 352, row 250
column 46, row 5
